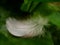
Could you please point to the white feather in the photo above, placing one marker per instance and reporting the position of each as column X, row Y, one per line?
column 27, row 28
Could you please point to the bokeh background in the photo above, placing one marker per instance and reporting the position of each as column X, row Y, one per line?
column 18, row 8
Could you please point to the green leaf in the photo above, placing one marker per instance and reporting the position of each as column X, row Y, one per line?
column 29, row 5
column 26, row 5
column 55, row 18
column 43, row 9
column 33, row 6
column 10, row 40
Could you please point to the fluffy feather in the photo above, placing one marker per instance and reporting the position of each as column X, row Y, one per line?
column 26, row 28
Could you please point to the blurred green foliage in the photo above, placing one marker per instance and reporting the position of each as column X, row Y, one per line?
column 55, row 18
column 14, row 9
